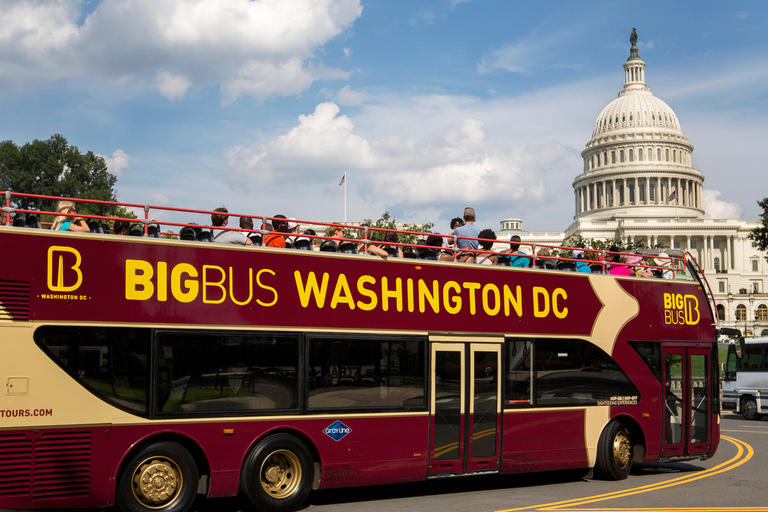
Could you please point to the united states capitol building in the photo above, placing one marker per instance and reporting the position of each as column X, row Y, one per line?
column 639, row 184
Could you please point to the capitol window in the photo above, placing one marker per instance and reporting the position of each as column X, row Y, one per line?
column 621, row 156
column 741, row 312
column 754, row 265
column 762, row 312
column 631, row 155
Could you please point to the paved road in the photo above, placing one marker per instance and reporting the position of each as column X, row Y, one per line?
column 734, row 480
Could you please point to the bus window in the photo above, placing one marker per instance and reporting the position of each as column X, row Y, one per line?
column 651, row 354
column 730, row 365
column 113, row 363
column 226, row 372
column 519, row 369
column 354, row 373
column 571, row 372
column 753, row 358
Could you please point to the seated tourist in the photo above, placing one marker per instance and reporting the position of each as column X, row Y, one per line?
column 614, row 263
column 369, row 248
column 486, row 245
column 514, row 255
column 65, row 223
column 219, row 219
column 581, row 265
column 277, row 238
column 121, row 227
column 447, row 254
column 390, row 237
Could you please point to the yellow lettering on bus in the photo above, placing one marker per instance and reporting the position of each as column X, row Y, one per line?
column 424, row 296
column 250, row 287
column 59, row 285
column 178, row 286
column 342, row 294
column 491, row 289
column 396, row 293
column 539, row 310
column 409, row 293
column 216, row 284
column 679, row 302
column 311, row 289
column 274, row 292
column 516, row 300
column 452, row 304
column 365, row 292
column 162, row 281
column 559, row 313
column 667, row 301
column 138, row 280
column 691, row 307
column 472, row 287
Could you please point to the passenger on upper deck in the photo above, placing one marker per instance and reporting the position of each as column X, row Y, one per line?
column 224, row 236
column 63, row 223
column 470, row 230
column 447, row 254
column 581, row 265
column 275, row 238
column 293, row 228
column 514, row 255
column 617, row 270
column 663, row 260
column 390, row 237
column 486, row 245
column 121, row 227
column 372, row 249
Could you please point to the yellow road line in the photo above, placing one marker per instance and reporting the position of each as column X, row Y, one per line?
column 748, row 431
column 734, row 462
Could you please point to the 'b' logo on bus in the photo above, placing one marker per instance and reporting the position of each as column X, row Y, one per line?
column 64, row 274
column 681, row 309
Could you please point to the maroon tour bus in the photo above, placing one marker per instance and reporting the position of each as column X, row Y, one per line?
column 145, row 370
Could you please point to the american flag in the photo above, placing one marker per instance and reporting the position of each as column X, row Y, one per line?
column 343, row 179
column 672, row 196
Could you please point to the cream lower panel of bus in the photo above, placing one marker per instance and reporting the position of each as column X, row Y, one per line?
column 595, row 420
column 619, row 307
column 51, row 397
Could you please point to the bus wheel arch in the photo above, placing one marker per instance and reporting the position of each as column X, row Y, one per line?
column 748, row 407
column 160, row 474
column 279, row 472
column 615, row 450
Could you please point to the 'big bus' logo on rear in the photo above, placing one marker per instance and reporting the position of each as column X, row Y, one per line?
column 681, row 309
column 64, row 274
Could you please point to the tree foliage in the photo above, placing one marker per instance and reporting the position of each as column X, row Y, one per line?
column 760, row 233
column 54, row 168
column 603, row 245
column 386, row 221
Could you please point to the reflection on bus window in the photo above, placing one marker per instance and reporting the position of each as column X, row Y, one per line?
column 518, row 379
column 220, row 372
column 113, row 363
column 575, row 372
column 753, row 358
column 358, row 373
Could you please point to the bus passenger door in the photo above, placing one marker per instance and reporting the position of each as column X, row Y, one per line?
column 687, row 401
column 465, row 408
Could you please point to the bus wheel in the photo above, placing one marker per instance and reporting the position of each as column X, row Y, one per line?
column 277, row 474
column 160, row 477
column 614, row 453
column 749, row 408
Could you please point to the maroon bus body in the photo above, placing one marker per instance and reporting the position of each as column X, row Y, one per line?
column 381, row 449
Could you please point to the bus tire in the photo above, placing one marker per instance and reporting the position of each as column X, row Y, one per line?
column 749, row 408
column 277, row 474
column 160, row 477
column 614, row 453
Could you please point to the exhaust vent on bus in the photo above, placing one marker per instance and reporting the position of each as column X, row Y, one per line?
column 14, row 300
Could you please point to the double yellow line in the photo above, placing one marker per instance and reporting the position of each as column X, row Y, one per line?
column 744, row 452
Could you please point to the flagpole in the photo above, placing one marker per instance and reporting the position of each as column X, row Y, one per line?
column 345, row 196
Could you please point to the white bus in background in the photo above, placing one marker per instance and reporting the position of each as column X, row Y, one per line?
column 745, row 378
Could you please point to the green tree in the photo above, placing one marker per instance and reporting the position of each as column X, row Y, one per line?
column 386, row 221
column 602, row 245
column 54, row 168
column 760, row 233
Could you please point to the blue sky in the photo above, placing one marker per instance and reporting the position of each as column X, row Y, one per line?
column 430, row 106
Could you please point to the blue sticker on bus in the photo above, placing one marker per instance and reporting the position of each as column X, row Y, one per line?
column 337, row 430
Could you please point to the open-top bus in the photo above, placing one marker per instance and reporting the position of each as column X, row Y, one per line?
column 144, row 371
column 745, row 377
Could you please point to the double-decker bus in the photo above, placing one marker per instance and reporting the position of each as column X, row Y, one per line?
column 745, row 377
column 144, row 371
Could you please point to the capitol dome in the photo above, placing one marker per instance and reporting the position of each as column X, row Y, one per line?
column 638, row 162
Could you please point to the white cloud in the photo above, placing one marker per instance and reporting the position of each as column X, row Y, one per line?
column 118, row 162
column 716, row 209
column 346, row 96
column 174, row 44
column 540, row 50
column 442, row 171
